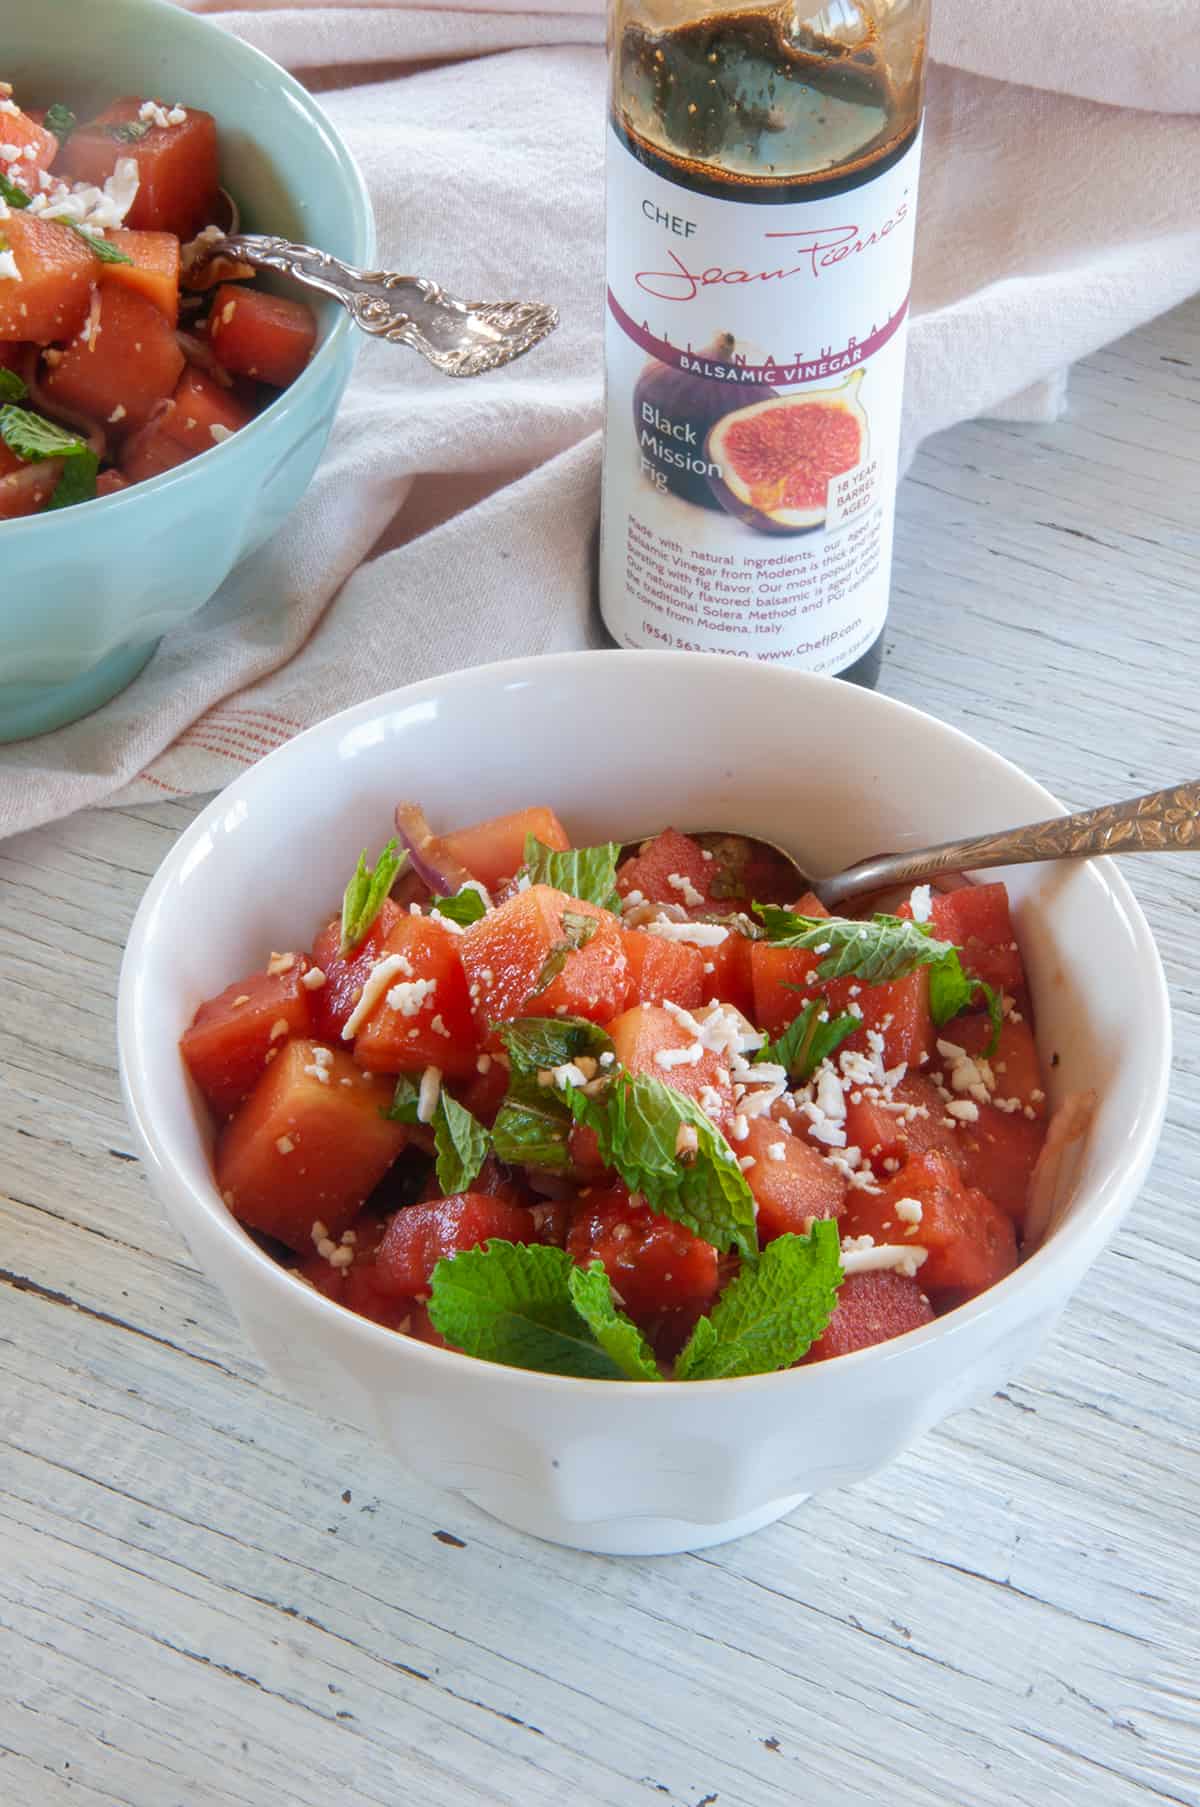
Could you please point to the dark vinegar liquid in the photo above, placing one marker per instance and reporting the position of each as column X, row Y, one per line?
column 756, row 106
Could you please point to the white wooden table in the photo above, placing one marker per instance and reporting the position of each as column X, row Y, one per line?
column 209, row 1598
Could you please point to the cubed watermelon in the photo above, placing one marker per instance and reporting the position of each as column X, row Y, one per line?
column 661, row 969
column 871, row 1308
column 977, row 920
column 420, row 1236
column 494, row 851
column 231, row 1038
column 308, row 1147
column 528, row 958
column 647, row 1039
column 654, row 1263
column 178, row 173
column 120, row 364
column 57, row 270
column 790, row 1181
column 422, row 1016
column 968, row 1239
column 264, row 336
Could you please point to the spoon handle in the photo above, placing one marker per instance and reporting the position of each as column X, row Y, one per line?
column 460, row 338
column 1161, row 822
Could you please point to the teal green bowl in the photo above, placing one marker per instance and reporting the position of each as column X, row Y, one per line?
column 86, row 593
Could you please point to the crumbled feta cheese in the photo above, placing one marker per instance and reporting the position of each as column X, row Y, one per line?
column 377, row 982
column 317, row 1070
column 278, row 1027
column 280, row 963
column 700, row 934
column 680, row 882
column 217, row 433
column 483, row 1063
column 921, row 903
column 777, row 1151
column 313, row 979
column 904, row 1258
column 686, row 1141
column 8, row 267
column 680, row 1057
column 746, row 1162
column 428, row 1094
column 965, row 1110
column 410, row 995
column 909, row 1210
column 284, row 1144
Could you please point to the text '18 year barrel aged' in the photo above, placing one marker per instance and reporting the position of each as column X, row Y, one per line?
column 762, row 188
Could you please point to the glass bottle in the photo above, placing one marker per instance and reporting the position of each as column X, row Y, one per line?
column 762, row 184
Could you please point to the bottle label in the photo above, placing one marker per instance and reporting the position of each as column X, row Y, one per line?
column 755, row 364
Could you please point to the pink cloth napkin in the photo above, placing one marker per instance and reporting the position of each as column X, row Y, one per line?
column 450, row 522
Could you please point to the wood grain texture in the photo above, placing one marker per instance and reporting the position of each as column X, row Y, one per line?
column 210, row 1598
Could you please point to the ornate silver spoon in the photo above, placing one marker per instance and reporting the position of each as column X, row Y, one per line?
column 460, row 338
column 1161, row 822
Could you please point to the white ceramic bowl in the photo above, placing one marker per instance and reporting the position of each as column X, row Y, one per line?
column 621, row 743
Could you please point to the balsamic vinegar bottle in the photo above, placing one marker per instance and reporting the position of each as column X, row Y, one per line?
column 762, row 187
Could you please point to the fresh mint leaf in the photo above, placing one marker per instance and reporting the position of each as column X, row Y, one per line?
column 129, row 131
column 637, row 1121
column 12, row 389
column 100, row 247
column 510, row 1302
column 61, row 121
column 578, row 930
column 807, row 1041
column 365, row 894
column 885, row 948
column 589, row 873
column 533, row 1125
column 462, row 1145
column 403, row 1108
column 33, row 440
column 465, row 907
column 13, row 193
column 995, row 1010
column 533, row 1131
column 534, row 1043
column 592, row 1296
column 770, row 1314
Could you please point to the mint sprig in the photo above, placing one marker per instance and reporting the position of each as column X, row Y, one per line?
column 637, row 1121
column 13, row 193
column 366, row 893
column 589, row 873
column 807, row 1041
column 99, row 247
column 403, row 1108
column 12, row 389
column 462, row 1145
column 578, row 930
column 465, row 907
column 61, row 121
column 34, row 440
column 592, row 1296
column 536, row 1042
column 511, row 1302
column 770, row 1314
column 533, row 1125
column 878, row 951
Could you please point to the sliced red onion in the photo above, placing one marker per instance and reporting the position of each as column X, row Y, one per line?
column 548, row 1185
column 159, row 412
column 31, row 480
column 431, row 862
column 198, row 353
column 29, row 371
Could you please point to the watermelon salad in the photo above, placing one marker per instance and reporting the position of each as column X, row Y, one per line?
column 629, row 1113
column 125, row 347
